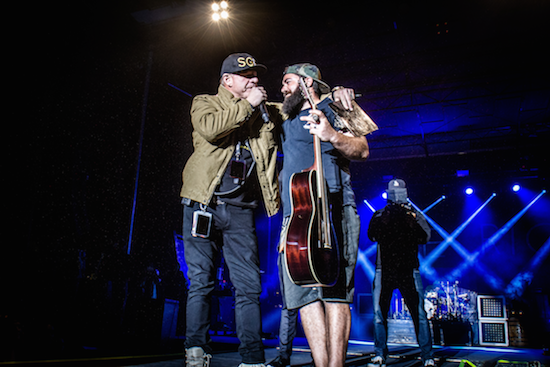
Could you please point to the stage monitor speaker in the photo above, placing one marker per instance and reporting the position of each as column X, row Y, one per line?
column 493, row 321
column 493, row 333
column 491, row 307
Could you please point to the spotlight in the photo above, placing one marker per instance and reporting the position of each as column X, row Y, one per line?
column 385, row 195
column 220, row 11
column 516, row 187
column 469, row 191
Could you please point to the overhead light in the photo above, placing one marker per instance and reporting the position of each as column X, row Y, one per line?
column 469, row 190
column 220, row 11
column 516, row 187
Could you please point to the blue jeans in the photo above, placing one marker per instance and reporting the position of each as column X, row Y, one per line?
column 413, row 293
column 233, row 231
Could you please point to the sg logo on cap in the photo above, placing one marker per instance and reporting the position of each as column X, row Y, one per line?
column 246, row 61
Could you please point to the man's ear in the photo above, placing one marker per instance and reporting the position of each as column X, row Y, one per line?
column 227, row 80
column 309, row 82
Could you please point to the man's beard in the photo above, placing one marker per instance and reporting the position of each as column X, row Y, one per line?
column 292, row 105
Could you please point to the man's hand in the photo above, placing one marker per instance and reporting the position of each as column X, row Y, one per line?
column 323, row 129
column 256, row 96
column 354, row 148
column 344, row 96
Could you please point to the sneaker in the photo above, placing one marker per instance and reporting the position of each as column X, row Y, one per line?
column 279, row 362
column 429, row 363
column 196, row 357
column 377, row 361
column 252, row 365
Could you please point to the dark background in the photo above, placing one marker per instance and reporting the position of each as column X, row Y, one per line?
column 454, row 85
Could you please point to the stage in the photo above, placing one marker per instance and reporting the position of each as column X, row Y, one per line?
column 359, row 354
column 401, row 355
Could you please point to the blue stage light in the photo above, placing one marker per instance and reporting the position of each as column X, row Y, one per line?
column 450, row 239
column 469, row 191
column 519, row 283
column 516, row 187
column 364, row 263
column 369, row 205
column 473, row 258
column 385, row 195
column 434, row 203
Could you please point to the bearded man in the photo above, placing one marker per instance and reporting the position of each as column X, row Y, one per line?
column 324, row 311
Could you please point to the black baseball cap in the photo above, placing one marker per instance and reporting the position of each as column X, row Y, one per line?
column 238, row 62
column 397, row 191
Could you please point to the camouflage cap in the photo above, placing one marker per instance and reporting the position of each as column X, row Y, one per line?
column 308, row 71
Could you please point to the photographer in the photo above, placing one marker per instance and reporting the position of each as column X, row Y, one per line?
column 399, row 229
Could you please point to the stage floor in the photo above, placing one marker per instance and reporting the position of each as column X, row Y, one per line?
column 359, row 354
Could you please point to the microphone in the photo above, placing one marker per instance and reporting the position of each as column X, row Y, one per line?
column 263, row 110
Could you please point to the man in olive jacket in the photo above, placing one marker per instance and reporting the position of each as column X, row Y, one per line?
column 232, row 167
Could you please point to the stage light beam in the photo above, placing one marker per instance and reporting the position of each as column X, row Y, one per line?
column 430, row 272
column 449, row 238
column 369, row 205
column 517, row 285
column 434, row 203
column 470, row 260
column 364, row 263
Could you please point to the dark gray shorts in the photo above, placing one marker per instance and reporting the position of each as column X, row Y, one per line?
column 296, row 296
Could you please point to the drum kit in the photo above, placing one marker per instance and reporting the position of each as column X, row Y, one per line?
column 444, row 301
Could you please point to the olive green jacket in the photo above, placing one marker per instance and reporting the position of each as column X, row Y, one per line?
column 215, row 119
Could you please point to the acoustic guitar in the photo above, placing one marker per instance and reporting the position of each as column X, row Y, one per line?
column 311, row 249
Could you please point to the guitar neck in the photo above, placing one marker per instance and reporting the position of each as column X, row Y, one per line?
column 318, row 164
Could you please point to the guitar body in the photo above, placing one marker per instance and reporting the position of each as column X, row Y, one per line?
column 311, row 259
